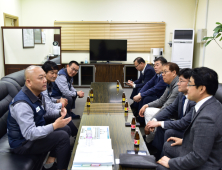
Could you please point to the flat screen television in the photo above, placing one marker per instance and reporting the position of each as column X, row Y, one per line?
column 108, row 50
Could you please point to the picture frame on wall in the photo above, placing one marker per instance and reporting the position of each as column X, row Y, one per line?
column 38, row 36
column 28, row 38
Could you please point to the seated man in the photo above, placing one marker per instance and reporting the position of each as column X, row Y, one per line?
column 200, row 148
column 54, row 105
column 62, row 87
column 27, row 132
column 146, row 73
column 170, row 72
column 181, row 109
column 153, row 89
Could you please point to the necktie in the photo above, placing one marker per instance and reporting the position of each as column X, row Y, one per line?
column 193, row 113
column 183, row 101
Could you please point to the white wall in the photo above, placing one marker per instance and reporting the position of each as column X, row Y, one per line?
column 213, row 58
column 176, row 14
column 16, row 54
column 200, row 24
column 213, row 53
column 12, row 7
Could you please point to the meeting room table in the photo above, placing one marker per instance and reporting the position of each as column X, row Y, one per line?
column 107, row 109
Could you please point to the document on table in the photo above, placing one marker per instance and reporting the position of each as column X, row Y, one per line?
column 93, row 157
column 98, row 132
column 92, row 168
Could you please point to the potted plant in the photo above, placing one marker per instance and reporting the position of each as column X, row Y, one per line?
column 216, row 35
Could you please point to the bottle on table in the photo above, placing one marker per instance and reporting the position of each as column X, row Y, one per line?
column 126, row 116
column 137, row 139
column 126, row 106
column 88, row 101
column 133, row 123
column 117, row 85
column 123, row 97
column 88, row 136
column 91, row 93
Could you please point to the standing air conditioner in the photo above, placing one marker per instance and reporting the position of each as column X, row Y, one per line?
column 182, row 47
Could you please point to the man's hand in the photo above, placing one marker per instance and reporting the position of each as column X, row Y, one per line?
column 142, row 110
column 80, row 94
column 164, row 161
column 153, row 124
column 137, row 98
column 61, row 122
column 177, row 141
column 63, row 101
column 130, row 83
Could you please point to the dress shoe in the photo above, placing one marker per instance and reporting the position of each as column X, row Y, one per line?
column 54, row 167
column 74, row 116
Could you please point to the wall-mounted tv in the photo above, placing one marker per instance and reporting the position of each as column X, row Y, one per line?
column 108, row 50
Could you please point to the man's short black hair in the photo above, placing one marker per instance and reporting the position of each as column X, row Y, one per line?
column 185, row 72
column 173, row 67
column 207, row 77
column 73, row 62
column 139, row 60
column 161, row 59
column 49, row 65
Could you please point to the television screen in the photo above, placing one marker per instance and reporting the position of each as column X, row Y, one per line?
column 108, row 50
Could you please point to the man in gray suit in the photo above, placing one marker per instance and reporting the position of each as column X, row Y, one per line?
column 200, row 148
column 170, row 76
column 180, row 109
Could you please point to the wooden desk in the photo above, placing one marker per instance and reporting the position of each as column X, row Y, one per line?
column 112, row 115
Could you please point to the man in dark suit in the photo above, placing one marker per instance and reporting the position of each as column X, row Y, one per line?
column 153, row 89
column 200, row 148
column 146, row 73
column 181, row 109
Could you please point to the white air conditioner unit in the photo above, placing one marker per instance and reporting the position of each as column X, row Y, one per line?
column 182, row 47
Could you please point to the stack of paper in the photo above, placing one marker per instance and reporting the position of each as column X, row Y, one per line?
column 98, row 132
column 99, row 154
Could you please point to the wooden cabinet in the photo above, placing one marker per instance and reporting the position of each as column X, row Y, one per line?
column 109, row 73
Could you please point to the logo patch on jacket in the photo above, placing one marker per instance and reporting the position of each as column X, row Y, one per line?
column 37, row 109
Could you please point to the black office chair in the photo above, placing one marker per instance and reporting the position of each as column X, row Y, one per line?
column 218, row 94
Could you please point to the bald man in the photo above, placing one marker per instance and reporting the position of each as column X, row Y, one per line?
column 27, row 132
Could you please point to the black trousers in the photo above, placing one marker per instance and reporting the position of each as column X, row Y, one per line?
column 170, row 152
column 71, row 103
column 57, row 143
column 162, row 135
column 135, row 92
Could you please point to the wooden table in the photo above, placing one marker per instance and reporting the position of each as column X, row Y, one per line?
column 107, row 110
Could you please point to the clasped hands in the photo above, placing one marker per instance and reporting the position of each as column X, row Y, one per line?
column 80, row 94
column 64, row 101
column 137, row 98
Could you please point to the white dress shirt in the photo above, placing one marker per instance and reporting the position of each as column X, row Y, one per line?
column 199, row 104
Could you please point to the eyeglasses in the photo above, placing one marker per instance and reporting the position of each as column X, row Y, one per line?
column 73, row 69
column 181, row 82
column 137, row 65
column 164, row 72
column 190, row 84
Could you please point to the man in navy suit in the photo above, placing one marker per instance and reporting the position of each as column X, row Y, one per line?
column 200, row 148
column 153, row 89
column 181, row 109
column 146, row 73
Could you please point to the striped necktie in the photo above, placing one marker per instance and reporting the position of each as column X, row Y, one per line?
column 183, row 101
